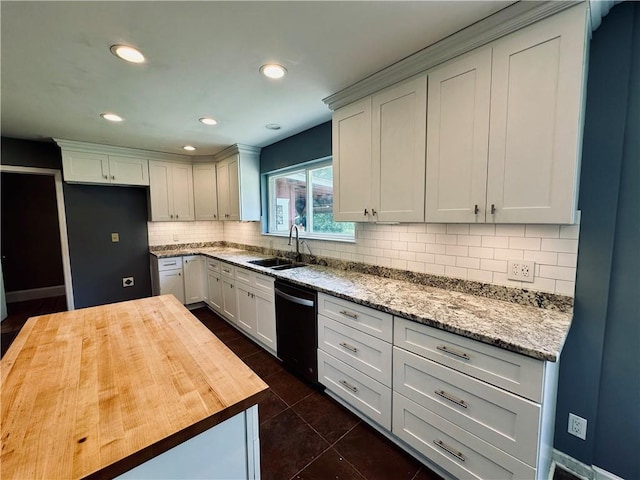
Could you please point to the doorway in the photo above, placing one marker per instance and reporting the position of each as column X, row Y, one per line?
column 26, row 250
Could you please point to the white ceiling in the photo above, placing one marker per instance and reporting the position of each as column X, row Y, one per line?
column 203, row 57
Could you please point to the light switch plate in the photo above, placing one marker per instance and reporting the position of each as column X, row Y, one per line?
column 115, row 237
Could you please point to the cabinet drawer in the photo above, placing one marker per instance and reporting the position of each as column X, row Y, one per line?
column 170, row 263
column 368, row 320
column 245, row 276
column 263, row 282
column 213, row 264
column 365, row 353
column 505, row 420
column 514, row 372
column 362, row 392
column 457, row 451
column 227, row 270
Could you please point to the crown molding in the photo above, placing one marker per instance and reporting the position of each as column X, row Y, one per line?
column 238, row 148
column 77, row 146
column 504, row 22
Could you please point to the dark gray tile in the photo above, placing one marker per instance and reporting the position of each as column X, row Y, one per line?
column 329, row 465
column 326, row 417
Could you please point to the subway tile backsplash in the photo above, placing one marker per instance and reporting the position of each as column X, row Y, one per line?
column 471, row 252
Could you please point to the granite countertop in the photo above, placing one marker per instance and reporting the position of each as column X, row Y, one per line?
column 536, row 332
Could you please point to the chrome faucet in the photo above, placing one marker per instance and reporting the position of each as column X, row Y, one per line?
column 297, row 241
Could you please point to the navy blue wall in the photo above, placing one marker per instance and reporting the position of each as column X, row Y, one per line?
column 309, row 145
column 600, row 364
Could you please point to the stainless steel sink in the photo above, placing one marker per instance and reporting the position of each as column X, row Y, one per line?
column 271, row 262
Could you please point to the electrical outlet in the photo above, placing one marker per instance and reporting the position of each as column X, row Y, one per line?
column 115, row 237
column 521, row 270
column 127, row 281
column 175, row 237
column 577, row 426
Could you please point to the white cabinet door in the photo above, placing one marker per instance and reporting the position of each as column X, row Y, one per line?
column 205, row 192
column 229, row 300
column 171, row 191
column 222, row 181
column 128, row 170
column 234, row 189
column 215, row 291
column 457, row 139
column 246, row 309
column 182, row 191
column 171, row 283
column 85, row 167
column 398, row 151
column 160, row 191
column 351, row 132
column 266, row 320
column 193, row 287
column 536, row 105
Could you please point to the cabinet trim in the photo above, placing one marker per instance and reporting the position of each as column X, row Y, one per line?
column 119, row 151
column 504, row 22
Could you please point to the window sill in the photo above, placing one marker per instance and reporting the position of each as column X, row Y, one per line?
column 312, row 237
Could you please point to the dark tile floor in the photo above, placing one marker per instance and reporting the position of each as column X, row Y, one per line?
column 304, row 434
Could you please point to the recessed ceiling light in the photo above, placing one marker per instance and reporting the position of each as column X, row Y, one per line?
column 273, row 126
column 189, row 148
column 112, row 117
column 127, row 53
column 273, row 70
column 208, row 121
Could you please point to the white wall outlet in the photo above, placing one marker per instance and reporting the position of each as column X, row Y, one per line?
column 115, row 237
column 175, row 237
column 521, row 270
column 127, row 281
column 577, row 426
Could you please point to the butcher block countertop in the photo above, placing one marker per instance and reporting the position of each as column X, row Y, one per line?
column 97, row 391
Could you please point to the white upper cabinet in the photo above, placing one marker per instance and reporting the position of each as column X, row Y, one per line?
column 238, row 183
column 86, row 167
column 205, row 191
column 504, row 128
column 379, row 155
column 536, row 121
column 171, row 191
column 398, row 152
column 351, row 132
column 458, row 138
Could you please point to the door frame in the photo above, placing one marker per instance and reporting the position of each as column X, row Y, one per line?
column 62, row 221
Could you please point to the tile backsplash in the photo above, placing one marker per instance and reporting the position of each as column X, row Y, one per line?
column 477, row 252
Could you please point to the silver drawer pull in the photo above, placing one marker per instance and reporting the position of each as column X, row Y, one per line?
column 451, row 398
column 166, row 264
column 226, row 271
column 450, row 450
column 349, row 386
column 349, row 347
column 457, row 353
column 349, row 314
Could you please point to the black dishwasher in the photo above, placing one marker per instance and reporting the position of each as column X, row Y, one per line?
column 297, row 329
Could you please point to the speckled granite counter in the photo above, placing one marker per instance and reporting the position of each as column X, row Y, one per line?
column 536, row 332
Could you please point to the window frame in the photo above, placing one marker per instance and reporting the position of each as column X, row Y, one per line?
column 305, row 167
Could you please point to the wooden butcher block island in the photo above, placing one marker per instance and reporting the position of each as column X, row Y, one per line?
column 100, row 391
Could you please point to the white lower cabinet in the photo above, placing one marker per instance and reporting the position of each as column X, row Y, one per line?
column 229, row 297
column 193, row 267
column 452, row 448
column 167, row 277
column 360, row 391
column 214, row 297
column 354, row 356
column 256, row 307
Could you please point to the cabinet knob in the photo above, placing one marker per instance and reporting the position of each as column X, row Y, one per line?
column 215, row 216
column 113, row 177
column 106, row 177
column 493, row 209
column 366, row 212
column 177, row 216
column 171, row 216
column 373, row 212
column 476, row 210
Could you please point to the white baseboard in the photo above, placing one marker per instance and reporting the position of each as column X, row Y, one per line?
column 35, row 293
column 579, row 469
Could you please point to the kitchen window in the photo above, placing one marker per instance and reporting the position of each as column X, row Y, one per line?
column 303, row 196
